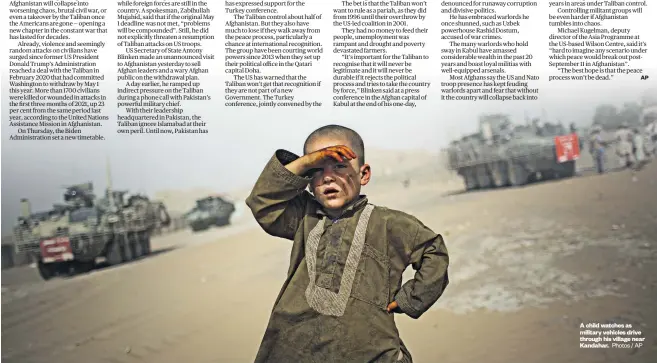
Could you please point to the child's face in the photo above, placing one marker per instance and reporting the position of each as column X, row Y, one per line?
column 336, row 184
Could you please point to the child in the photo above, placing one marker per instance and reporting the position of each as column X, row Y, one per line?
column 348, row 256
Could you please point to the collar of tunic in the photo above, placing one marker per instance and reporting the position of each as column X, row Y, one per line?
column 359, row 204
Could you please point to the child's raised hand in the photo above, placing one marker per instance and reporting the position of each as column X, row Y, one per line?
column 339, row 153
column 308, row 162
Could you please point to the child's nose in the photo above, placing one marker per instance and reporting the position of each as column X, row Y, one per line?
column 328, row 172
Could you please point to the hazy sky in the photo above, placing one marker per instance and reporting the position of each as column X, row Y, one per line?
column 241, row 140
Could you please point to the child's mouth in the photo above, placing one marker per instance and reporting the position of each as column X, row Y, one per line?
column 331, row 192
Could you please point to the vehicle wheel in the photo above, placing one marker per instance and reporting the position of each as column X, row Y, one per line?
column 137, row 245
column 549, row 175
column 83, row 267
column 483, row 178
column 200, row 227
column 114, row 256
column 46, row 270
column 146, row 244
column 565, row 170
column 569, row 169
column 67, row 269
column 468, row 183
column 499, row 175
column 126, row 248
column 471, row 179
column 517, row 175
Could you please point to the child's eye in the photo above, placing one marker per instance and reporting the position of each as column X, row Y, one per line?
column 313, row 171
column 340, row 166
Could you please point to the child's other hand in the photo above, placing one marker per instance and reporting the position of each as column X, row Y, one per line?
column 393, row 307
column 339, row 153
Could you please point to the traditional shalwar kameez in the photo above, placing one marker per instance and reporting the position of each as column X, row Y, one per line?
column 343, row 273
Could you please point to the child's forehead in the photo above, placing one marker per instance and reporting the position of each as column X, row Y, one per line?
column 322, row 142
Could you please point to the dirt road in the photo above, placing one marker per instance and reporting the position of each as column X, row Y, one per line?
column 528, row 266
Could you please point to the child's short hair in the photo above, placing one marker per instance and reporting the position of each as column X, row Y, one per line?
column 354, row 139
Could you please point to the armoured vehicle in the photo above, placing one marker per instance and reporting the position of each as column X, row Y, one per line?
column 502, row 154
column 209, row 211
column 71, row 236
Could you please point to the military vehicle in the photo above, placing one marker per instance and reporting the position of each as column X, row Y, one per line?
column 70, row 237
column 502, row 154
column 209, row 211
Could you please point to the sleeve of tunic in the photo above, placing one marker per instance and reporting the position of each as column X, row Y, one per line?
column 430, row 260
column 279, row 198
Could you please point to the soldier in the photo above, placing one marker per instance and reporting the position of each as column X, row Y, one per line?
column 651, row 136
column 624, row 141
column 638, row 146
column 573, row 130
column 597, row 148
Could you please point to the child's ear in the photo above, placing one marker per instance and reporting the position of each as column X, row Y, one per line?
column 365, row 174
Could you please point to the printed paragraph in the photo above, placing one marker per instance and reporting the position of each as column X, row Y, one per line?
column 163, row 52
column 54, row 77
column 378, row 43
column 610, row 335
column 271, row 49
column 484, row 54
column 592, row 40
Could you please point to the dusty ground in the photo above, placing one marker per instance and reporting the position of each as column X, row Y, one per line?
column 528, row 266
